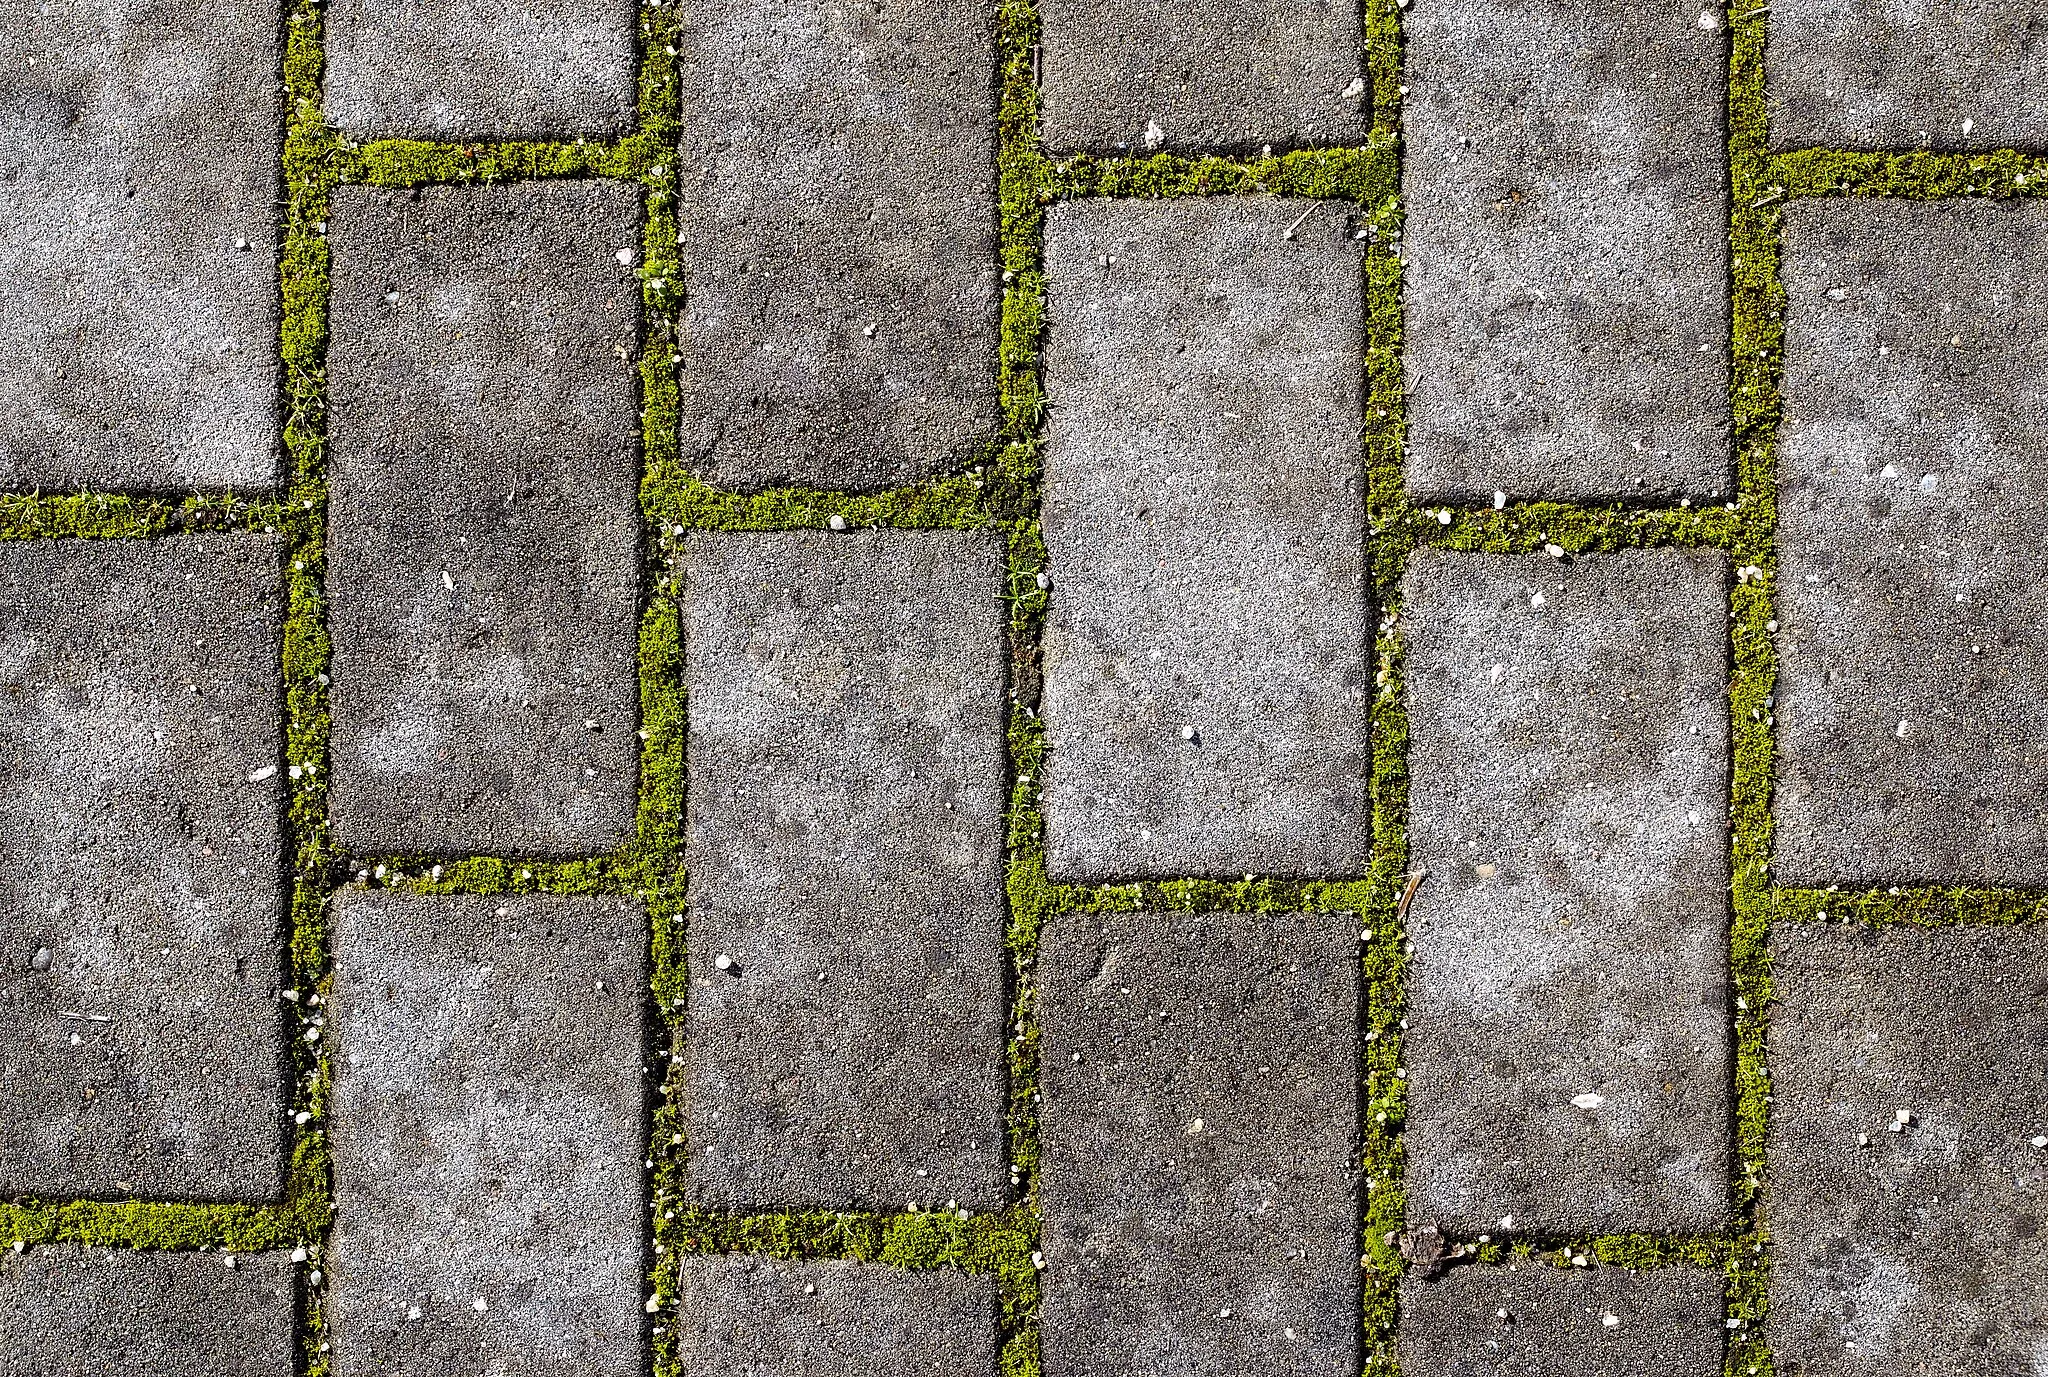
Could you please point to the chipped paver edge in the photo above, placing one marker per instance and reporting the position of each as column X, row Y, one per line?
column 1002, row 489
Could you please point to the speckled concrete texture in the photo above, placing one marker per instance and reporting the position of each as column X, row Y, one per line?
column 765, row 1317
column 141, row 868
column 1958, row 74
column 845, row 852
column 1529, row 1318
column 488, row 1118
column 1569, row 1040
column 73, row 1312
column 1914, row 1243
column 139, row 148
column 1204, row 76
column 484, row 552
column 1207, row 648
column 838, row 240
column 1566, row 251
column 1200, row 1135
column 1913, row 575
column 467, row 70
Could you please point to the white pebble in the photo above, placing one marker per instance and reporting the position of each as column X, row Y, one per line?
column 836, row 522
column 478, row 1305
column 1610, row 1319
column 723, row 962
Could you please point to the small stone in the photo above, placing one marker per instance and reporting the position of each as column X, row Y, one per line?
column 41, row 960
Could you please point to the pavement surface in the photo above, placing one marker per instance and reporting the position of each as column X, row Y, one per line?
column 1058, row 688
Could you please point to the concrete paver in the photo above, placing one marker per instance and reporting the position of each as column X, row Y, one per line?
column 488, row 1121
column 1208, row 645
column 141, row 868
column 484, row 552
column 1568, row 1050
column 845, row 847
column 1906, row 1162
column 1566, row 251
column 139, row 145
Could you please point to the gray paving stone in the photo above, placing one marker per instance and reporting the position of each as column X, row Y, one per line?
column 845, row 851
column 460, row 69
column 139, row 146
column 484, row 548
column 1913, row 574
column 141, row 868
column 1568, row 993
column 488, row 1121
column 1212, row 75
column 1204, row 513
column 1919, row 1251
column 1200, row 1139
column 1531, row 1319
column 1567, row 250
column 838, row 213
column 1896, row 74
column 768, row 1318
column 70, row 1312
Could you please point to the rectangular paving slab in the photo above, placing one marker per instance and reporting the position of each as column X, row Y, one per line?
column 1530, row 1319
column 141, row 866
column 456, row 70
column 1200, row 1139
column 1567, row 250
column 1568, row 799
column 1205, row 76
column 1913, row 575
column 139, row 146
column 766, row 1317
column 484, row 543
column 845, row 850
column 488, row 1126
column 73, row 1312
column 1899, row 74
column 1208, row 645
column 1909, row 1150
column 838, row 238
